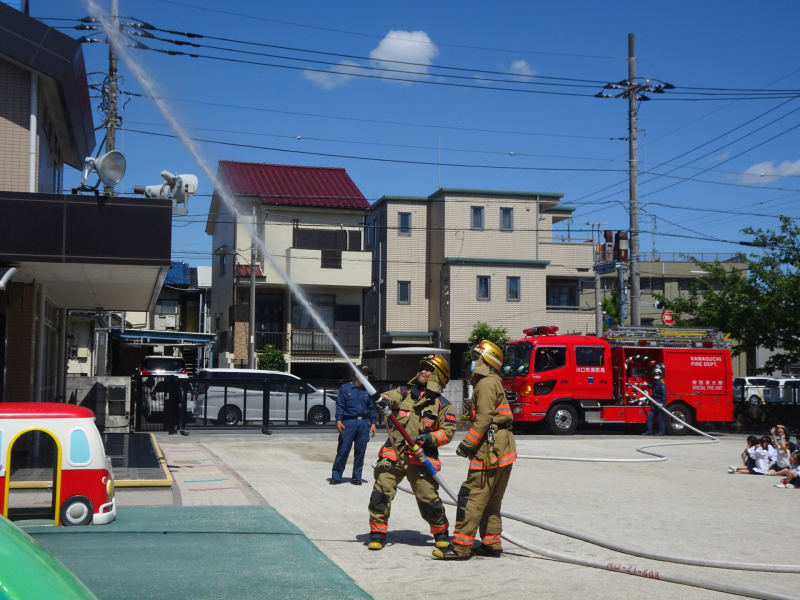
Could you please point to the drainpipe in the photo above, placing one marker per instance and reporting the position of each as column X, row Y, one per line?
column 61, row 382
column 33, row 126
column 380, row 281
column 40, row 358
column 537, row 227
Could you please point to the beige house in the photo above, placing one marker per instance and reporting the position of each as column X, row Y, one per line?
column 311, row 219
column 460, row 256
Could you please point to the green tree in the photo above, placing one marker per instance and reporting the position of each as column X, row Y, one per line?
column 271, row 359
column 609, row 305
column 483, row 331
column 757, row 307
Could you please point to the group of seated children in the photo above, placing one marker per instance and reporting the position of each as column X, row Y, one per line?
column 776, row 456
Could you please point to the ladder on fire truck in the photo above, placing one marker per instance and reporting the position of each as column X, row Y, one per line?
column 666, row 337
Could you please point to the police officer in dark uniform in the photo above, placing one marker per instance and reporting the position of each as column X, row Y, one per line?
column 659, row 394
column 356, row 420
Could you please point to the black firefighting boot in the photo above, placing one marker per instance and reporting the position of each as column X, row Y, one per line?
column 488, row 551
column 449, row 553
column 377, row 541
column 441, row 540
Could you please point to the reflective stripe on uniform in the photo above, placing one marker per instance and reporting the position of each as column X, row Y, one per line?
column 463, row 540
column 490, row 539
column 478, row 465
column 436, row 463
column 389, row 453
column 440, row 436
column 439, row 529
column 504, row 409
column 474, row 436
column 378, row 527
column 404, row 413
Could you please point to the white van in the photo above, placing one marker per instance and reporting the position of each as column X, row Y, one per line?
column 230, row 396
column 750, row 389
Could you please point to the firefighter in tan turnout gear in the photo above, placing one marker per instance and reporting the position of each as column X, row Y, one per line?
column 428, row 418
column 491, row 450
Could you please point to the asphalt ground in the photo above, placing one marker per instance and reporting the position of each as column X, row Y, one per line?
column 688, row 505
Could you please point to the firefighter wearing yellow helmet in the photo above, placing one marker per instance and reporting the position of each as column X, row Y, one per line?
column 428, row 417
column 491, row 449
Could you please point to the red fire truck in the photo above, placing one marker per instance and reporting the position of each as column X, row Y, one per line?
column 572, row 379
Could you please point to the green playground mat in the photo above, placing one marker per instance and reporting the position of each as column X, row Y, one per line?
column 197, row 552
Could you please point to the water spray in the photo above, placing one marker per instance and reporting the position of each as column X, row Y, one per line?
column 116, row 39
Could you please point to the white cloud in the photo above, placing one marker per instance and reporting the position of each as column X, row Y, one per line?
column 338, row 75
column 521, row 67
column 768, row 172
column 405, row 46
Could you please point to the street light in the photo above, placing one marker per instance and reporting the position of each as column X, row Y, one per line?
column 110, row 168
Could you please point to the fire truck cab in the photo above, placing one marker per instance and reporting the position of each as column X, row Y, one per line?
column 569, row 379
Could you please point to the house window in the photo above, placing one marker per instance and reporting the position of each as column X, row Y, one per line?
column 324, row 305
column 484, row 287
column 167, row 307
column 506, row 219
column 367, row 237
column 512, row 289
column 403, row 223
column 562, row 294
column 477, row 218
column 404, row 292
column 222, row 264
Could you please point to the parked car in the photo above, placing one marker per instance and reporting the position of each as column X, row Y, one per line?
column 750, row 389
column 791, row 391
column 163, row 365
column 775, row 391
column 154, row 392
column 230, row 396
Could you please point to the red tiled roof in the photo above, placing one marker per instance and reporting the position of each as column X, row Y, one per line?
column 244, row 271
column 297, row 186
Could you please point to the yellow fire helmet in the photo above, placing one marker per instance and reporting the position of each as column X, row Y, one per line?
column 439, row 365
column 490, row 352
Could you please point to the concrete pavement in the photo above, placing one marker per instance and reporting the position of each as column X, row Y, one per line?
column 687, row 505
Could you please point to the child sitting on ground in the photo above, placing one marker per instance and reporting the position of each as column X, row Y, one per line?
column 785, row 449
column 759, row 458
column 792, row 474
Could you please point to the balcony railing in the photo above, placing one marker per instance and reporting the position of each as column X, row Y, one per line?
column 310, row 341
column 707, row 257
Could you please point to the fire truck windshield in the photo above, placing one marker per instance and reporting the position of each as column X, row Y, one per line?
column 517, row 359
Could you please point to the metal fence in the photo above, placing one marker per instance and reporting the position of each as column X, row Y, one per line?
column 179, row 404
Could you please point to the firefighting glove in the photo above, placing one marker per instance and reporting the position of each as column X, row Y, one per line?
column 424, row 439
column 416, row 453
column 463, row 450
column 381, row 402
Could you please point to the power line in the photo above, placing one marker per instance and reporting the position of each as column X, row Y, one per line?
column 370, row 35
column 430, row 163
column 376, row 121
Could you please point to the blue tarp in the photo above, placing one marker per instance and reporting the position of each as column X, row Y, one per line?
column 178, row 273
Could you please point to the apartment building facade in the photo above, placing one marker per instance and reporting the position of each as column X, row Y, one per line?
column 462, row 256
column 311, row 220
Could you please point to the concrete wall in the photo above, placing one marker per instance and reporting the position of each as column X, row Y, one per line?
column 103, row 396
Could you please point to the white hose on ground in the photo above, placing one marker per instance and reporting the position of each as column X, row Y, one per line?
column 631, row 569
column 618, row 567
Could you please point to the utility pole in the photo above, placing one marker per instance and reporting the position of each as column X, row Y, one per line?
column 634, row 91
column 633, row 171
column 251, row 347
column 111, row 108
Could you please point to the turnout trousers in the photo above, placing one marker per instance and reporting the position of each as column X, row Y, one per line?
column 426, row 490
column 479, row 501
column 356, row 432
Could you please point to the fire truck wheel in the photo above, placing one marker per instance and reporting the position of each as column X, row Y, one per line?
column 562, row 419
column 75, row 511
column 683, row 413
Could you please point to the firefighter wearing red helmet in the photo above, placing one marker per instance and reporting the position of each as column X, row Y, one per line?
column 492, row 450
column 428, row 417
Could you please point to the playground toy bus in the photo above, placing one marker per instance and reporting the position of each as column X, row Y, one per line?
column 82, row 483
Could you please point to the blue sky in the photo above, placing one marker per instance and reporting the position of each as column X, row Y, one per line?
column 573, row 140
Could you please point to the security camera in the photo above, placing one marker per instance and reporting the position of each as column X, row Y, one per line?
column 178, row 188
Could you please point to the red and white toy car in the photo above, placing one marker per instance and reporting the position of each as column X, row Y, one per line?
column 83, row 482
